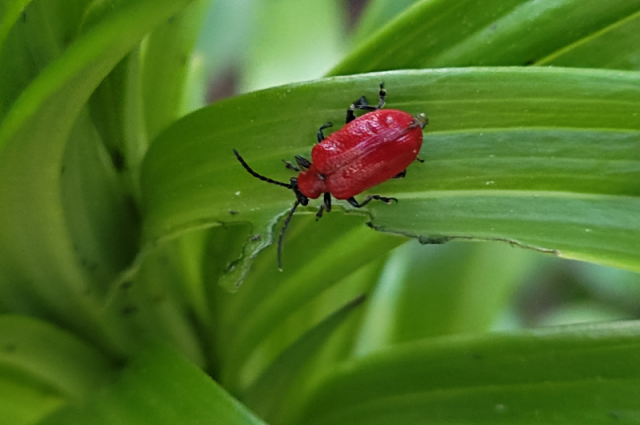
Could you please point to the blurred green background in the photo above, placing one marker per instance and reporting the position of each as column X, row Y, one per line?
column 127, row 225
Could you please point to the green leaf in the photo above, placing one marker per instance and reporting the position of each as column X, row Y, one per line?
column 540, row 157
column 166, row 64
column 158, row 386
column 10, row 12
column 115, row 111
column 377, row 14
column 275, row 392
column 441, row 33
column 57, row 358
column 273, row 309
column 151, row 301
column 36, row 33
column 581, row 312
column 581, row 374
column 39, row 259
column 615, row 47
column 24, row 404
column 146, row 91
column 43, row 368
column 431, row 291
column 94, row 205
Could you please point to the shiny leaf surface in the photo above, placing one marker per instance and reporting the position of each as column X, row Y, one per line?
column 581, row 374
column 546, row 158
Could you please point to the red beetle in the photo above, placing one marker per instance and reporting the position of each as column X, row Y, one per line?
column 367, row 151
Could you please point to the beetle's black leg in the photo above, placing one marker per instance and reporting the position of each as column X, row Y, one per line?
column 355, row 105
column 401, row 175
column 319, row 135
column 419, row 160
column 369, row 198
column 363, row 105
column 382, row 94
column 360, row 104
column 284, row 227
column 290, row 166
column 326, row 205
column 303, row 163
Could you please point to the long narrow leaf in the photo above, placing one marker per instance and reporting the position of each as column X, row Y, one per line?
column 160, row 387
column 38, row 255
column 615, row 47
column 546, row 158
column 441, row 33
column 43, row 368
column 585, row 374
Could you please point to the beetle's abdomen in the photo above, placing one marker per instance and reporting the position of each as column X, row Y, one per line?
column 368, row 151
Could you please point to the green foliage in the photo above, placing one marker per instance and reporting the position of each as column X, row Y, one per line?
column 566, row 158
column 535, row 376
column 138, row 281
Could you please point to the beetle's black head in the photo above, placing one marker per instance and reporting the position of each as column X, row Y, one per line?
column 299, row 196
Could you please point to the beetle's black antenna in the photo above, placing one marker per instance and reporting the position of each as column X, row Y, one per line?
column 284, row 227
column 258, row 176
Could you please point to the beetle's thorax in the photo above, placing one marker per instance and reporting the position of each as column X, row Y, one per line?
column 311, row 183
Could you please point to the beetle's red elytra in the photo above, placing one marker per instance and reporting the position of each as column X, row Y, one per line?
column 367, row 151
